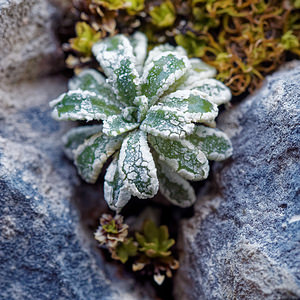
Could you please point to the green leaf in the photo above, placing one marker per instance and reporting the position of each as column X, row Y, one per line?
column 118, row 124
column 139, row 44
column 130, row 114
column 140, row 238
column 176, row 189
column 192, row 104
column 165, row 245
column 83, row 105
column 214, row 90
column 142, row 103
column 136, row 166
column 93, row 153
column 115, row 193
column 134, row 6
column 93, row 81
column 198, row 70
column 154, row 242
column 213, row 142
column 86, row 37
column 111, row 227
column 126, row 249
column 182, row 156
column 76, row 136
column 194, row 45
column 87, row 80
column 163, row 49
column 289, row 40
column 161, row 73
column 151, row 232
column 163, row 233
column 163, row 15
column 115, row 55
column 166, row 123
column 202, row 69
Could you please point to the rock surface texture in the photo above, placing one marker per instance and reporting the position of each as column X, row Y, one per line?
column 28, row 46
column 244, row 240
column 45, row 251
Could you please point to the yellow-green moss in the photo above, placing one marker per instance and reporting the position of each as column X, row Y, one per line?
column 243, row 40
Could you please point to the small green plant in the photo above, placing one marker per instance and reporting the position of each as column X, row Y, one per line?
column 163, row 15
column 149, row 251
column 243, row 40
column 154, row 246
column 111, row 231
column 154, row 117
column 112, row 234
column 86, row 37
column 132, row 6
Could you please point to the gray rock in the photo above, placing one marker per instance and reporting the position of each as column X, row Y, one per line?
column 28, row 46
column 244, row 240
column 45, row 251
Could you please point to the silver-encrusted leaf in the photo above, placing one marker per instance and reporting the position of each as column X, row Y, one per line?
column 115, row 193
column 116, row 125
column 139, row 43
column 176, row 189
column 76, row 136
column 193, row 104
column 214, row 90
column 162, row 72
column 115, row 55
column 182, row 156
column 171, row 124
column 93, row 153
column 136, row 166
column 161, row 49
column 213, row 142
column 83, row 105
column 88, row 79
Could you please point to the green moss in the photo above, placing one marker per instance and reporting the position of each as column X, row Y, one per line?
column 243, row 40
column 163, row 15
column 86, row 37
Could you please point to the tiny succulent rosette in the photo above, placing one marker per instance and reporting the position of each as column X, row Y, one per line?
column 111, row 231
column 153, row 113
column 156, row 256
column 112, row 234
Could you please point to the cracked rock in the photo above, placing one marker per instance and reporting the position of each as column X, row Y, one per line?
column 244, row 241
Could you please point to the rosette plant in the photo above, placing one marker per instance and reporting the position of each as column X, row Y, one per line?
column 155, row 115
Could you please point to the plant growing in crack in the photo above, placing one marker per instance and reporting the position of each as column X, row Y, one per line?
column 149, row 250
column 157, row 115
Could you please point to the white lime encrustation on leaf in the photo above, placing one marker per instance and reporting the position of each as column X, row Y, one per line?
column 149, row 114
